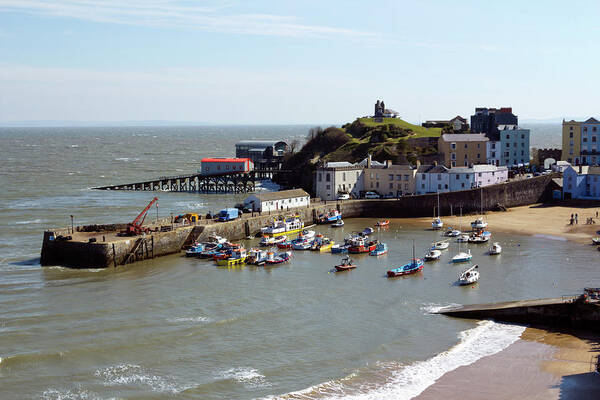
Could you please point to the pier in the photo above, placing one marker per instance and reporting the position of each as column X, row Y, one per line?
column 582, row 311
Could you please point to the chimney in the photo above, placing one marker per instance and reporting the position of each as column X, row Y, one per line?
column 435, row 163
column 418, row 163
column 369, row 160
column 388, row 163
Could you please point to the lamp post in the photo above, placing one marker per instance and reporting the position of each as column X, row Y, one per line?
column 72, row 230
column 157, row 212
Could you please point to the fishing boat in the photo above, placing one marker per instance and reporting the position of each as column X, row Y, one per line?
column 216, row 239
column 596, row 241
column 302, row 245
column 306, row 234
column 272, row 240
column 478, row 238
column 462, row 257
column 367, row 231
column 463, row 238
column 282, row 226
column 325, row 245
column 432, row 255
column 380, row 249
column 346, row 265
column 238, row 257
column 383, row 223
column 277, row 258
column 441, row 245
column 338, row 224
column 339, row 248
column 284, row 245
column 495, row 248
column 437, row 222
column 210, row 250
column 194, row 250
column 330, row 216
column 415, row 265
column 362, row 245
column 256, row 257
column 469, row 276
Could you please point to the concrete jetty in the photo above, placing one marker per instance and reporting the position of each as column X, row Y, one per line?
column 569, row 311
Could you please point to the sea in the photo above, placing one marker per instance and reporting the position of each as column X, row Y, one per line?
column 183, row 328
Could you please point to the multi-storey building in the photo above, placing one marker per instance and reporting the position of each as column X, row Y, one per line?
column 432, row 179
column 571, row 142
column 581, row 182
column 581, row 142
column 390, row 180
column 463, row 149
column 335, row 178
column 514, row 145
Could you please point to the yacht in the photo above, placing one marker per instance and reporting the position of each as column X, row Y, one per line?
column 469, row 276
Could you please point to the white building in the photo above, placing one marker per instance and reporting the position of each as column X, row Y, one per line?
column 582, row 182
column 463, row 178
column 432, row 179
column 282, row 200
column 339, row 177
column 560, row 166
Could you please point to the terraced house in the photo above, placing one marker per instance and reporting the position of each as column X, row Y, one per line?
column 581, row 142
column 463, row 149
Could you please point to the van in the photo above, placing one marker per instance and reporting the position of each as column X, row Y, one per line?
column 343, row 196
column 228, row 214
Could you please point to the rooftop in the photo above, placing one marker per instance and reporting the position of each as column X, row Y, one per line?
column 283, row 194
column 338, row 164
column 259, row 143
column 464, row 137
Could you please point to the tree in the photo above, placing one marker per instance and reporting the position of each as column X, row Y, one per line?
column 294, row 145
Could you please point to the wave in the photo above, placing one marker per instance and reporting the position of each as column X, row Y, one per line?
column 402, row 382
column 189, row 319
column 131, row 374
column 69, row 394
column 189, row 205
column 249, row 377
column 434, row 308
column 33, row 221
column 127, row 159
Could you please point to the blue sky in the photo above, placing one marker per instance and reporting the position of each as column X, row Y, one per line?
column 294, row 62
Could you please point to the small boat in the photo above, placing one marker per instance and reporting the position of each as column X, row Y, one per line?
column 338, row 224
column 474, row 238
column 302, row 245
column 325, row 245
column 451, row 232
column 284, row 245
column 277, row 258
column 469, row 276
column 216, row 239
column 383, row 223
column 380, row 249
column 306, row 234
column 367, row 231
column 238, row 257
column 596, row 241
column 256, row 257
column 437, row 224
column 415, row 265
column 346, row 265
column 272, row 240
column 332, row 215
column 462, row 238
column 462, row 257
column 339, row 248
column 495, row 248
column 432, row 255
column 194, row 250
column 441, row 245
column 362, row 246
column 479, row 223
column 283, row 225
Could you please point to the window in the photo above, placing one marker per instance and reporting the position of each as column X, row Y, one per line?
column 465, row 156
column 391, row 177
column 453, row 146
column 446, row 186
column 343, row 177
column 465, row 145
column 507, row 144
column 376, row 175
column 377, row 185
column 406, row 186
column 584, row 140
column 439, row 186
column 585, row 128
column 391, row 185
column 405, row 177
column 479, row 174
column 523, row 136
column 454, row 163
column 507, row 136
column 493, row 145
column 571, row 133
column 522, row 152
column 507, row 154
column 453, row 156
column 320, row 177
column 477, row 145
column 457, row 176
column 372, row 176
column 328, row 177
column 398, row 177
column 594, row 129
column 493, row 154
column 594, row 139
column 423, row 175
column 439, row 177
column 466, row 163
column 462, row 185
column 422, row 186
column 478, row 155
column 328, row 187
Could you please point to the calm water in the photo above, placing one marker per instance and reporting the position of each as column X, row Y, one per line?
column 182, row 328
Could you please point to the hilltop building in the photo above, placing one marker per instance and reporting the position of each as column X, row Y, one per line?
column 581, row 142
column 458, row 124
column 382, row 112
column 463, row 149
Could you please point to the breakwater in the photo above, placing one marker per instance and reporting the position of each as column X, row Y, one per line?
column 99, row 246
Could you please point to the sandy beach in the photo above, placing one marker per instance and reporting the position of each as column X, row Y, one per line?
column 541, row 365
column 537, row 219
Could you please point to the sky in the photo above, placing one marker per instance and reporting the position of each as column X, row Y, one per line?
column 294, row 62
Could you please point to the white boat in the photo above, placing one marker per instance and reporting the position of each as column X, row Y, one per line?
column 216, row 239
column 433, row 254
column 462, row 257
column 303, row 245
column 338, row 224
column 450, row 232
column 441, row 245
column 495, row 248
column 306, row 234
column 478, row 238
column 479, row 223
column 283, row 225
column 367, row 231
column 437, row 224
column 462, row 238
column 271, row 240
column 469, row 276
column 256, row 257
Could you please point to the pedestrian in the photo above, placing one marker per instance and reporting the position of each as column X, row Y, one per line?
column 575, row 218
column 596, row 214
column 571, row 222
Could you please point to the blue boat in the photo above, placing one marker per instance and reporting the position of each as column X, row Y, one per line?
column 195, row 250
column 380, row 249
column 415, row 265
column 339, row 248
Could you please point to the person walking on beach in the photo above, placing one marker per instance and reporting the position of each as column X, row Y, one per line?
column 571, row 221
column 575, row 218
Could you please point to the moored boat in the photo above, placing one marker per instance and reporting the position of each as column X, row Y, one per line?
column 495, row 248
column 256, row 257
column 469, row 276
column 383, row 223
column 462, row 238
column 216, row 239
column 462, row 257
column 437, row 224
column 282, row 226
column 362, row 245
column 302, row 245
column 277, row 258
column 596, row 241
column 330, row 216
column 367, row 231
column 194, row 250
column 415, row 265
column 338, row 224
column 346, row 265
column 339, row 248
column 272, row 240
column 451, row 232
column 379, row 250
column 432, row 255
column 238, row 257
column 441, row 245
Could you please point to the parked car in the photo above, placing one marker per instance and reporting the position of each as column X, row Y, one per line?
column 343, row 196
column 372, row 195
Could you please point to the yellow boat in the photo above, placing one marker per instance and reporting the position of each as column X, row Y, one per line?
column 237, row 258
column 327, row 246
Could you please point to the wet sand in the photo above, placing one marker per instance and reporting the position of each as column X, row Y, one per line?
column 541, row 365
column 537, row 219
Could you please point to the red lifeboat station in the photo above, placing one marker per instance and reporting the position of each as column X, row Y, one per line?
column 222, row 166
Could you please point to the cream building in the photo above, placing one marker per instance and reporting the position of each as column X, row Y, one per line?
column 390, row 180
column 336, row 178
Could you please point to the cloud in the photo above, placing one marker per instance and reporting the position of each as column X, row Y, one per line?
column 177, row 14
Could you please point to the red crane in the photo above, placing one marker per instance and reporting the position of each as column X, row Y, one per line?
column 135, row 227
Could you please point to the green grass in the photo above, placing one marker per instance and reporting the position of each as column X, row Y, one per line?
column 419, row 131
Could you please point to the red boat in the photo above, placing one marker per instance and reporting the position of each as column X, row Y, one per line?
column 361, row 246
column 346, row 265
column 383, row 223
column 284, row 245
